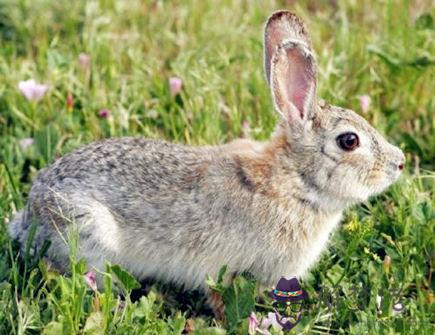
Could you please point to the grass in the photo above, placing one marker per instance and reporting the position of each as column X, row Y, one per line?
column 383, row 49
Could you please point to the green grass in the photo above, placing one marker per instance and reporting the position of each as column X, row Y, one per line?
column 383, row 49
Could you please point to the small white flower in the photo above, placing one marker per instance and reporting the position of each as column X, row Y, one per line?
column 124, row 117
column 31, row 90
column 25, row 142
column 378, row 301
column 152, row 114
column 398, row 308
column 224, row 108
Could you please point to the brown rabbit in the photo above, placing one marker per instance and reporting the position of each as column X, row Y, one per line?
column 178, row 213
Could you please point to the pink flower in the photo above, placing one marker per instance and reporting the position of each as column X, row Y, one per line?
column 252, row 323
column 246, row 129
column 175, row 85
column 84, row 61
column 31, row 90
column 25, row 142
column 364, row 101
column 91, row 280
column 269, row 321
column 104, row 113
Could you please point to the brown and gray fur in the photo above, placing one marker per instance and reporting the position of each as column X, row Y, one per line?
column 178, row 213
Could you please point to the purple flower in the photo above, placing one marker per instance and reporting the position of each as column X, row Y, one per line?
column 25, row 142
column 104, row 113
column 175, row 85
column 31, row 90
column 91, row 280
column 364, row 101
column 84, row 61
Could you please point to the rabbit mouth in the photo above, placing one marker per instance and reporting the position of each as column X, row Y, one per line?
column 393, row 176
column 380, row 181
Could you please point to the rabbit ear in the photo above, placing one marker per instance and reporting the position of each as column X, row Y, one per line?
column 290, row 66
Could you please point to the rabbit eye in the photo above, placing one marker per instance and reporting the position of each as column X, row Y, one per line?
column 348, row 141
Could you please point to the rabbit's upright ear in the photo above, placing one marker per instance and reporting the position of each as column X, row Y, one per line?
column 290, row 66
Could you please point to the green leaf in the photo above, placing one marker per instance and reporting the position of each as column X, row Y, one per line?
column 239, row 300
column 145, row 308
column 209, row 331
column 335, row 273
column 412, row 144
column 421, row 62
column 217, row 286
column 53, row 328
column 80, row 266
column 210, row 282
column 222, row 272
column 387, row 58
column 46, row 141
column 94, row 324
column 424, row 21
column 127, row 281
column 178, row 323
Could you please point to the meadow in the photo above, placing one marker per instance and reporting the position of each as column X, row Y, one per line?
column 191, row 72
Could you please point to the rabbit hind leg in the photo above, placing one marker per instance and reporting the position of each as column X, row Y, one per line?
column 78, row 227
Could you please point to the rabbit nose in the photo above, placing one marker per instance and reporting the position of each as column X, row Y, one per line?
column 397, row 158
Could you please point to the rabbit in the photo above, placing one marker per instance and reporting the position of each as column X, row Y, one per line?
column 178, row 213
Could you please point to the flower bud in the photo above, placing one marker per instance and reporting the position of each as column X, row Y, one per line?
column 69, row 101
column 387, row 263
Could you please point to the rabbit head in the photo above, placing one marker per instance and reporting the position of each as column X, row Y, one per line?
column 340, row 158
